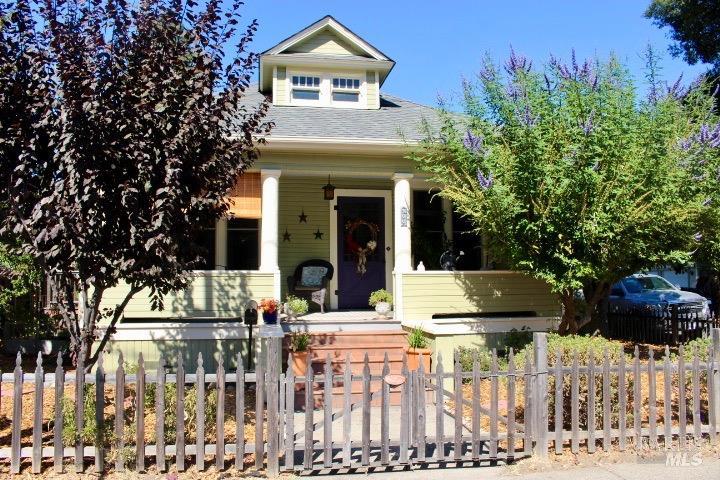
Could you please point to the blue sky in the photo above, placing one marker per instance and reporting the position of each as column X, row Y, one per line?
column 436, row 43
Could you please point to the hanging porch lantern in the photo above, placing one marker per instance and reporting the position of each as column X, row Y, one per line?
column 329, row 190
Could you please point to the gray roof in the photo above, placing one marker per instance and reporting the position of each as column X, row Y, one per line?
column 396, row 120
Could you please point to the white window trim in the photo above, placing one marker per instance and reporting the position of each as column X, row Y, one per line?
column 326, row 89
column 292, row 87
column 361, row 97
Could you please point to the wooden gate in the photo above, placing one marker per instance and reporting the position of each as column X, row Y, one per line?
column 429, row 425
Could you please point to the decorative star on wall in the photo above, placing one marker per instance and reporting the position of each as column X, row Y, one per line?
column 318, row 235
column 286, row 236
column 303, row 217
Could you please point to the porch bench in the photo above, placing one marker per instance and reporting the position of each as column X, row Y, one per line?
column 310, row 281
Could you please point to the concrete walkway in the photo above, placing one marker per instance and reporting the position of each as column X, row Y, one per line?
column 375, row 413
column 619, row 466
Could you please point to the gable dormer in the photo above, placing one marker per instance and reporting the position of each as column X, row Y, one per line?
column 324, row 65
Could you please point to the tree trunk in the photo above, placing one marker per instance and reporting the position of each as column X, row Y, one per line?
column 568, row 324
column 596, row 295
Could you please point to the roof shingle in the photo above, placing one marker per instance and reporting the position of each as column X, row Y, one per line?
column 397, row 120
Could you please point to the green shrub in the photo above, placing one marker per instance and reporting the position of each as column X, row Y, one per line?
column 518, row 339
column 298, row 306
column 582, row 344
column 467, row 356
column 190, row 404
column 567, row 344
column 299, row 342
column 416, row 338
column 170, row 413
column 88, row 434
column 378, row 296
column 703, row 347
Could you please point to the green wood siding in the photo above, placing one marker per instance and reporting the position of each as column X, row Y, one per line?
column 373, row 90
column 298, row 194
column 280, row 91
column 429, row 293
column 327, row 42
column 170, row 349
column 210, row 294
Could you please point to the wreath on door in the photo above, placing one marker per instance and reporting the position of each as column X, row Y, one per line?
column 361, row 240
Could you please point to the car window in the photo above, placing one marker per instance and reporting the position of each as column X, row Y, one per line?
column 655, row 283
column 632, row 285
column 616, row 290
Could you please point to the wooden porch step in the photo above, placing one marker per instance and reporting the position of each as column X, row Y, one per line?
column 394, row 337
column 357, row 368
column 357, row 355
column 338, row 345
column 379, row 345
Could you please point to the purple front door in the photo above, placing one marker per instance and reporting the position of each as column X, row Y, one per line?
column 361, row 249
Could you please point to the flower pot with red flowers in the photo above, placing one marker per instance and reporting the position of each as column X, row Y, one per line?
column 269, row 307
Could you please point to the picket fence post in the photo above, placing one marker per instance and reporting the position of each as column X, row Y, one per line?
column 272, row 385
column 16, row 436
column 716, row 375
column 99, row 414
column 541, row 394
column 79, row 412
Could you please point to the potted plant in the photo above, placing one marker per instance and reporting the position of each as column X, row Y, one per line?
column 382, row 301
column 269, row 307
column 295, row 306
column 299, row 355
column 417, row 347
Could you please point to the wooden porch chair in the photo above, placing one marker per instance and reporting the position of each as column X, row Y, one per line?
column 310, row 281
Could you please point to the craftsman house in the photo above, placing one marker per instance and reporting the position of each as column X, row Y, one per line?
column 333, row 187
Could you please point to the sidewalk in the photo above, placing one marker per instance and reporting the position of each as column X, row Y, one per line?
column 654, row 469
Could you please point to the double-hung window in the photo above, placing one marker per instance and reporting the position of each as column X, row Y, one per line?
column 305, row 87
column 346, row 89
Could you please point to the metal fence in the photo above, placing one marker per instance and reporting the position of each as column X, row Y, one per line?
column 659, row 325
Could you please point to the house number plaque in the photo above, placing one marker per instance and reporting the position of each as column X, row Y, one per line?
column 404, row 217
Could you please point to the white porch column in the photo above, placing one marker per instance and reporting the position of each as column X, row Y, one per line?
column 402, row 214
column 269, row 223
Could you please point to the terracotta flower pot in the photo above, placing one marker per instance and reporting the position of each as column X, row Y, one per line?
column 413, row 356
column 299, row 362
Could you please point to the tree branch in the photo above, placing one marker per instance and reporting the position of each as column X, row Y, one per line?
column 117, row 312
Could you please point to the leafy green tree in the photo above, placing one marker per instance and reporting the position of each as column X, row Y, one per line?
column 573, row 177
column 695, row 27
column 122, row 128
column 18, row 275
column 702, row 160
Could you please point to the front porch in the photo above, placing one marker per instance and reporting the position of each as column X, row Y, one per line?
column 251, row 255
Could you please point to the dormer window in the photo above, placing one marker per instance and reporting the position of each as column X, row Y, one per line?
column 346, row 89
column 315, row 88
column 305, row 88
